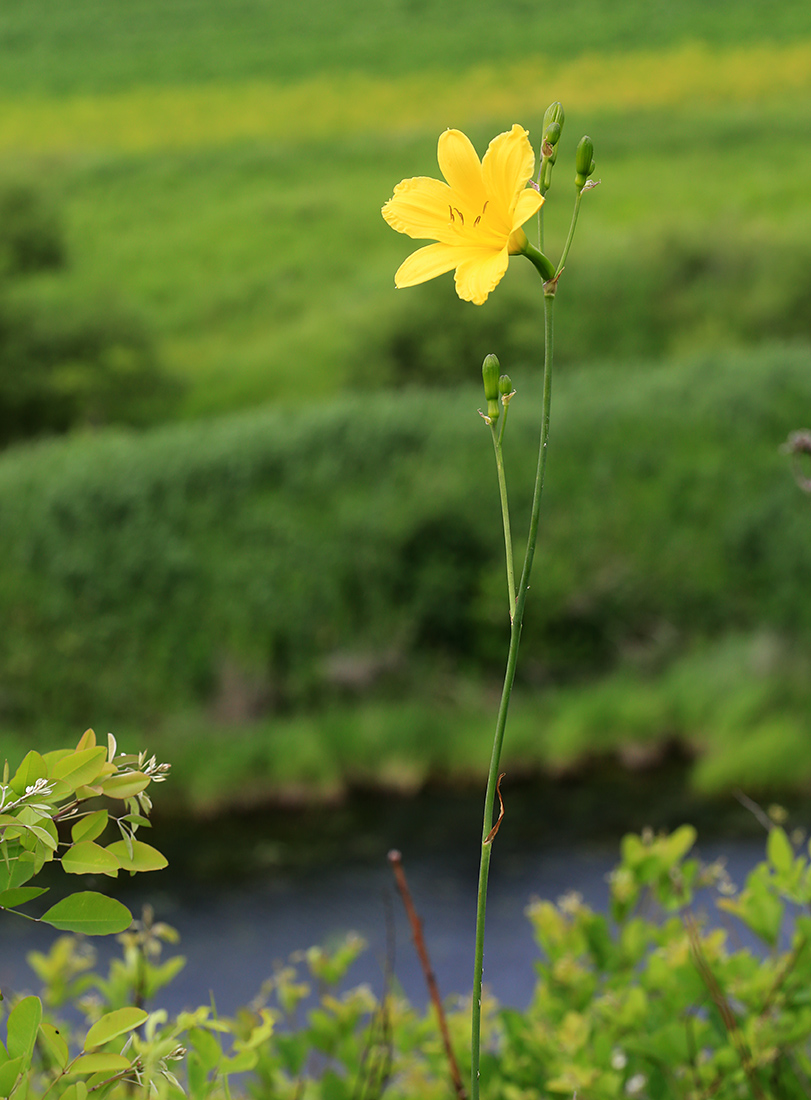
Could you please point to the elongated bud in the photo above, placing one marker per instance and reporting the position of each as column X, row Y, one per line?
column 583, row 161
column 490, row 372
column 505, row 388
column 490, row 369
column 552, row 126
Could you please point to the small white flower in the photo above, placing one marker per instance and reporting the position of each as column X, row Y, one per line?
column 618, row 1059
column 636, row 1084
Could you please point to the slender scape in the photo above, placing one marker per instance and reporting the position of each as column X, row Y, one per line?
column 506, row 692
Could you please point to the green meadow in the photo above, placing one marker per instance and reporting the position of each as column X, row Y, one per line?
column 219, row 169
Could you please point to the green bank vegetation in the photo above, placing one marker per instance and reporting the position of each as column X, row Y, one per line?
column 292, row 579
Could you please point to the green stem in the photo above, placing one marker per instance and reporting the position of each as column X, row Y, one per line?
column 570, row 238
column 505, row 512
column 509, row 679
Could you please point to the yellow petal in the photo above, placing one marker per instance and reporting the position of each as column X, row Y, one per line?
column 507, row 165
column 420, row 207
column 529, row 202
column 460, row 166
column 476, row 277
column 426, row 263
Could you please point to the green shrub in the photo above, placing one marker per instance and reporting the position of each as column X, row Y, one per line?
column 67, row 364
column 651, row 999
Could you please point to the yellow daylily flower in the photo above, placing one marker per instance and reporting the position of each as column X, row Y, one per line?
column 475, row 217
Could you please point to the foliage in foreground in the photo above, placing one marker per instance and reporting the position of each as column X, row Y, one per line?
column 652, row 1000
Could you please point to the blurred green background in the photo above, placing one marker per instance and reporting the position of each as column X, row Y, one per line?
column 249, row 516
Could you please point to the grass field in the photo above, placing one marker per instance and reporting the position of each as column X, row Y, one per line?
column 223, row 169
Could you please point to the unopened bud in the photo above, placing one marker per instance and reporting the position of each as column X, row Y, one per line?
column 505, row 384
column 553, row 113
column 551, row 134
column 584, row 161
column 490, row 372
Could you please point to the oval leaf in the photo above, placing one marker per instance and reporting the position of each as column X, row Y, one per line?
column 19, row 895
column 87, row 858
column 54, row 1044
column 87, row 740
column 779, row 850
column 100, row 1062
column 90, row 827
column 115, row 1023
column 144, row 857
column 89, row 912
column 126, row 785
column 80, row 768
column 32, row 768
column 23, row 1023
column 9, row 1072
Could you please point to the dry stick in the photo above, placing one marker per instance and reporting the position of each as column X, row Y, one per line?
column 396, row 861
column 722, row 1004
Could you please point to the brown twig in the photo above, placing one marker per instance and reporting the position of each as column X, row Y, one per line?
column 396, row 861
column 722, row 1004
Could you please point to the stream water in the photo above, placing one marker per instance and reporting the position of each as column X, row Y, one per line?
column 246, row 892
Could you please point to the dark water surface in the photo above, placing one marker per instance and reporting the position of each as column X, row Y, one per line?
column 246, row 892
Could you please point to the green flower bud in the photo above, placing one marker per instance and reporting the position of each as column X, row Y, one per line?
column 505, row 384
column 551, row 134
column 490, row 372
column 584, row 161
column 553, row 113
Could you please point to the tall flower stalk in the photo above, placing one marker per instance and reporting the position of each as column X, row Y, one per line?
column 476, row 219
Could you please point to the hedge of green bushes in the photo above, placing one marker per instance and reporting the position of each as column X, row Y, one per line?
column 293, row 556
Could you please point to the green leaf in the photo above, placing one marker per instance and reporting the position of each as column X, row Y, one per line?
column 23, row 1022
column 89, row 912
column 43, row 835
column 14, row 873
column 144, row 856
column 90, row 827
column 54, row 1044
column 79, row 768
column 87, row 858
column 114, row 1024
column 76, row 1091
column 19, row 895
column 32, row 768
column 208, row 1049
column 779, row 850
column 126, row 785
column 239, row 1063
column 9, row 1072
column 100, row 1062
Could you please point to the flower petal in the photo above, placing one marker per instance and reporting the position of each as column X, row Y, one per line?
column 426, row 263
column 477, row 276
column 529, row 202
column 507, row 166
column 459, row 163
column 420, row 207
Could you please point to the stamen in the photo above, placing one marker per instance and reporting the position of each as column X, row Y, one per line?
column 451, row 210
column 461, row 215
column 486, row 203
column 477, row 221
